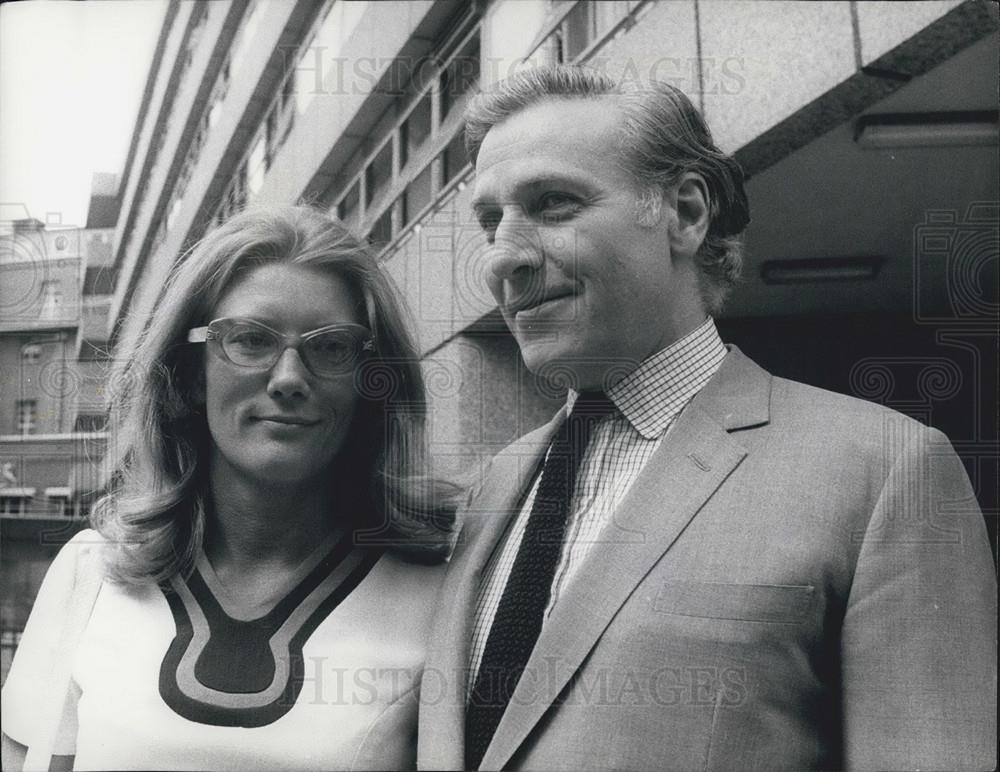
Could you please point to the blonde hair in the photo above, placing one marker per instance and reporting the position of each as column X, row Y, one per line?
column 153, row 510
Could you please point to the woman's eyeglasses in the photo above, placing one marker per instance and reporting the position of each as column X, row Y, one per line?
column 326, row 351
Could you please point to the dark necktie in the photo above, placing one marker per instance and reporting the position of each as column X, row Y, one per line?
column 520, row 613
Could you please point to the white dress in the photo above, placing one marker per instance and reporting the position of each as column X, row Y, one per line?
column 324, row 676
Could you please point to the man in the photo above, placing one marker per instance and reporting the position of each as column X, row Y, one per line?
column 695, row 564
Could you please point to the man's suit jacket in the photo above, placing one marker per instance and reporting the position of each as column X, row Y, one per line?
column 797, row 579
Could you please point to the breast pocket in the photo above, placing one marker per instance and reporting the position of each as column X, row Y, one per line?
column 775, row 603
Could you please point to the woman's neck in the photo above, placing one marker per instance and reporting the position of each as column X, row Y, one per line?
column 253, row 523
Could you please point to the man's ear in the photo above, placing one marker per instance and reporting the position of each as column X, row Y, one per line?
column 689, row 199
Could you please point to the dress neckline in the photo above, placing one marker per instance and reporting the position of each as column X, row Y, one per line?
column 244, row 608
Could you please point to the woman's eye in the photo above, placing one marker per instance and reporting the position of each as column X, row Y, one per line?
column 249, row 339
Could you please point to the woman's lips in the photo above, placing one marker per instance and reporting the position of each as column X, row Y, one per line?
column 302, row 423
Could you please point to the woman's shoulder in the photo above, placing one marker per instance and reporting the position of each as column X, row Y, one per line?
column 83, row 555
column 79, row 562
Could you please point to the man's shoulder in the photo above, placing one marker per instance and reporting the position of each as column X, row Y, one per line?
column 792, row 397
column 845, row 424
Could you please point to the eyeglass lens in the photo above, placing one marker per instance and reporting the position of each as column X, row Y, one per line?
column 328, row 353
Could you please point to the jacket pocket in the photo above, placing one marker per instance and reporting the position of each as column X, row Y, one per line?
column 776, row 603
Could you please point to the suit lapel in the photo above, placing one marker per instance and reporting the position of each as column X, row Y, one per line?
column 688, row 467
column 485, row 519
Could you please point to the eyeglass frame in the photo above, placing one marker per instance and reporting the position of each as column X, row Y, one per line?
column 204, row 334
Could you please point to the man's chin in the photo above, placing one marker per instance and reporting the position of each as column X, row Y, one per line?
column 562, row 367
column 558, row 367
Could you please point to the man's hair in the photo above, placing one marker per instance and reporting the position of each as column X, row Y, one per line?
column 154, row 506
column 663, row 137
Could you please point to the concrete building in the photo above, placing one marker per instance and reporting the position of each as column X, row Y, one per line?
column 868, row 131
column 55, row 284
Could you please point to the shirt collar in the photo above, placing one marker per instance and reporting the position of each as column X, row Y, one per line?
column 652, row 395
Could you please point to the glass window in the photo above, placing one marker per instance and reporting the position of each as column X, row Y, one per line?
column 381, row 232
column 378, row 175
column 31, row 354
column 415, row 129
column 89, row 422
column 577, row 31
column 13, row 505
column 417, row 195
column 349, row 206
column 455, row 158
column 257, row 165
column 27, row 416
column 175, row 208
column 60, row 505
column 272, row 141
column 246, row 32
column 461, row 75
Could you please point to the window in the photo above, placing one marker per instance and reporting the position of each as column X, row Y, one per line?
column 588, row 23
column 172, row 213
column 59, row 505
column 13, row 505
column 218, row 96
column 27, row 416
column 347, row 209
column 248, row 28
column 378, row 175
column 381, row 233
column 31, row 354
column 415, row 129
column 455, row 158
column 285, row 107
column 460, row 76
column 273, row 142
column 236, row 196
column 417, row 195
column 52, row 300
column 198, row 18
column 89, row 422
column 257, row 165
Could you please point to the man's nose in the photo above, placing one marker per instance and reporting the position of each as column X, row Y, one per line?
column 289, row 376
column 516, row 246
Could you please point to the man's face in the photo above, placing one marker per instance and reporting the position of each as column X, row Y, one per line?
column 586, row 285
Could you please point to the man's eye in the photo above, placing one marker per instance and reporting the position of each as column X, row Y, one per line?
column 557, row 205
column 488, row 220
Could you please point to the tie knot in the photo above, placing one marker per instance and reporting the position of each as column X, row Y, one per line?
column 592, row 404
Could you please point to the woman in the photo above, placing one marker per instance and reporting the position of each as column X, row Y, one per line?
column 267, row 533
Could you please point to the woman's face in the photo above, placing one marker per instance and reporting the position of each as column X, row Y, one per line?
column 280, row 424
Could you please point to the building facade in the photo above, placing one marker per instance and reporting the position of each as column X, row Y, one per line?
column 868, row 132
column 55, row 295
column 866, row 129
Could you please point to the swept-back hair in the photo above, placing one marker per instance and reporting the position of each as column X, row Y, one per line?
column 154, row 505
column 663, row 137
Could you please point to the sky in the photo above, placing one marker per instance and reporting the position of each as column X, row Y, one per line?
column 71, row 77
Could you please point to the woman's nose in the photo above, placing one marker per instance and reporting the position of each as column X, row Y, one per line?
column 289, row 376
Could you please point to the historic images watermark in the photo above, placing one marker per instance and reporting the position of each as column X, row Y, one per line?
column 690, row 686
column 319, row 73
